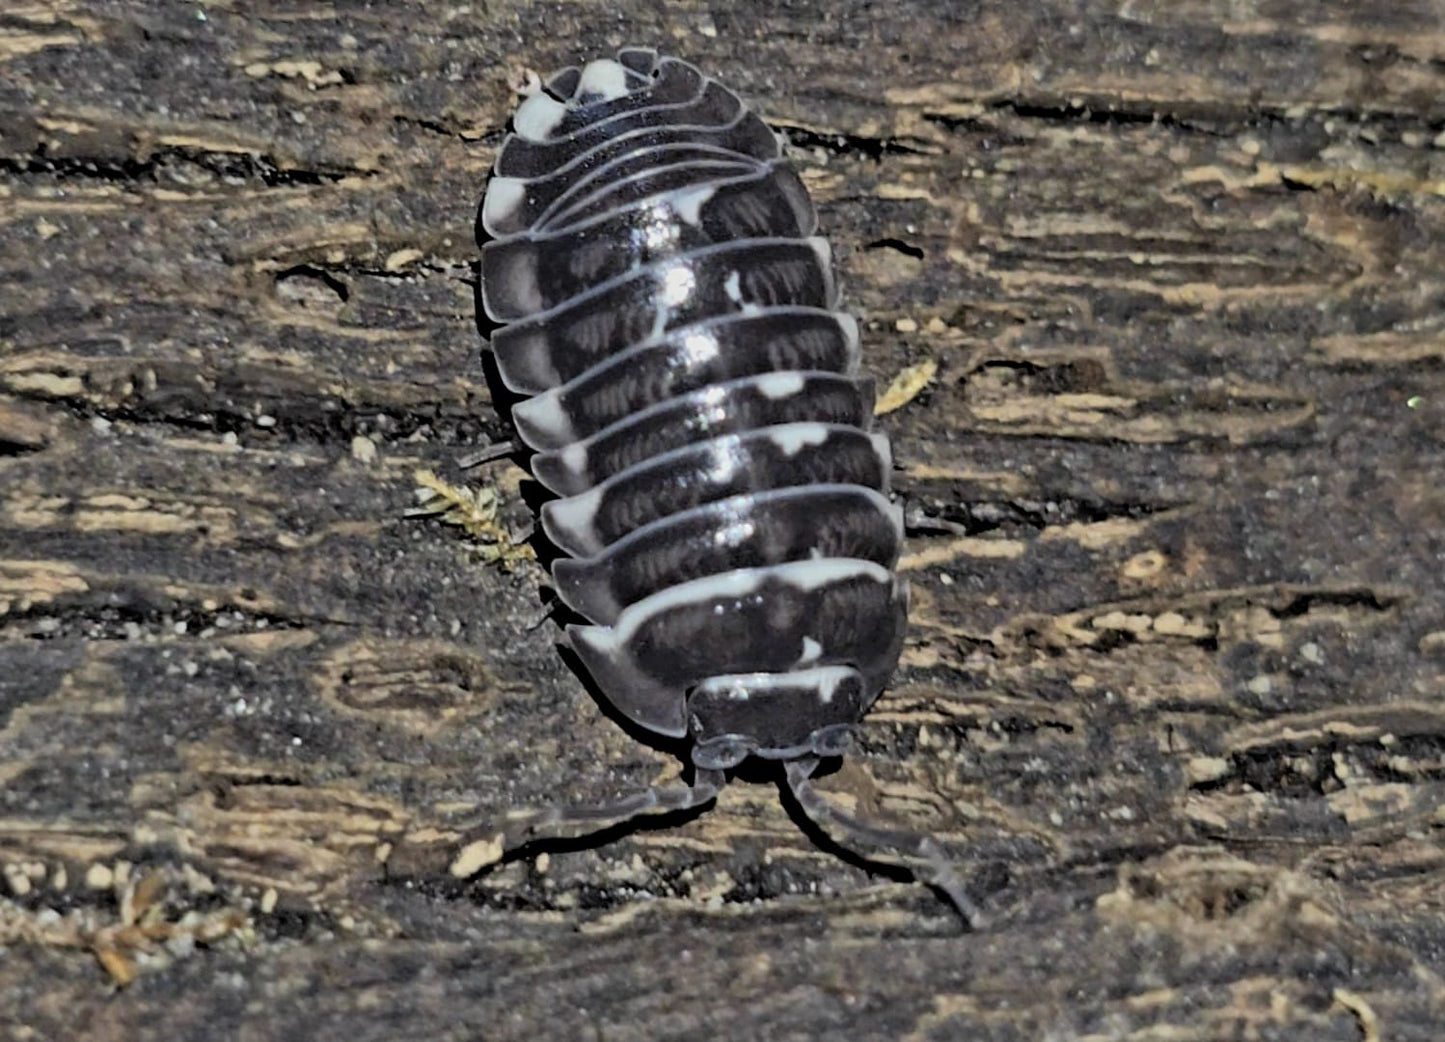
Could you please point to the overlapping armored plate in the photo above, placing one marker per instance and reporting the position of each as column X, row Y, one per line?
column 773, row 457
column 766, row 620
column 607, row 199
column 542, row 142
column 629, row 171
column 512, row 206
column 692, row 208
column 694, row 356
column 754, row 402
column 748, row 531
column 550, row 348
column 640, row 63
column 606, row 88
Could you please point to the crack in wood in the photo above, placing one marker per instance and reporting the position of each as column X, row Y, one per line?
column 233, row 167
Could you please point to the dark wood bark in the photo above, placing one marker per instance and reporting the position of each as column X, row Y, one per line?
column 1173, row 699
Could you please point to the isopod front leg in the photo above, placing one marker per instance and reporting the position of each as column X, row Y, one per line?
column 913, row 851
column 487, row 846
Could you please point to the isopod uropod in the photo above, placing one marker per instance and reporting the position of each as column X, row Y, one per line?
column 693, row 397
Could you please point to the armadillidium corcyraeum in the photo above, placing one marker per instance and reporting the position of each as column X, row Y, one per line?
column 692, row 394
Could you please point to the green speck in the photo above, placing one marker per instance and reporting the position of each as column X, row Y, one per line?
column 1413, row 402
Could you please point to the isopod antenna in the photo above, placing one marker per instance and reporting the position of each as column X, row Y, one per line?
column 561, row 822
column 913, row 851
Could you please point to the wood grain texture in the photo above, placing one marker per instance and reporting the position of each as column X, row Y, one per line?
column 1174, row 697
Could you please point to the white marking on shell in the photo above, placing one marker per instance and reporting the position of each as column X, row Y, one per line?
column 807, row 575
column 740, row 687
column 505, row 196
column 678, row 283
column 521, row 279
column 653, row 271
column 793, row 438
column 545, row 416
column 734, row 584
column 823, row 251
column 605, row 78
column 829, row 677
column 734, row 287
column 780, row 385
column 737, row 584
column 737, row 532
column 658, row 229
column 724, row 458
column 574, row 457
column 852, row 342
column 700, row 346
column 537, row 117
column 714, row 400
column 687, row 203
column 577, row 514
column 883, row 449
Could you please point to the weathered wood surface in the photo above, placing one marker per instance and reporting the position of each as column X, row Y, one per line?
column 1173, row 699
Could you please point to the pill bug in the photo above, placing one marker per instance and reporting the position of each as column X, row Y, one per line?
column 659, row 297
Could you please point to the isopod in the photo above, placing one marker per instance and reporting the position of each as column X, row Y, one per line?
column 692, row 395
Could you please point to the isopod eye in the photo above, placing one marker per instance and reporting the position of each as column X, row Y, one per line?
column 721, row 753
column 832, row 741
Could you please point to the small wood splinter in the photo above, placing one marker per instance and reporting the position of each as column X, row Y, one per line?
column 487, row 454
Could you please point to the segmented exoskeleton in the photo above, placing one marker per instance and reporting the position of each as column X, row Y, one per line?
column 693, row 397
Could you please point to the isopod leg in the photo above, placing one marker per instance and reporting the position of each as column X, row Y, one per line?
column 919, row 854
